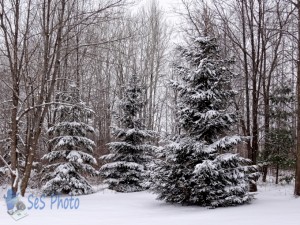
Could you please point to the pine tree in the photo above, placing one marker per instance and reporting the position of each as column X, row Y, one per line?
column 125, row 168
column 280, row 140
column 71, row 149
column 198, row 166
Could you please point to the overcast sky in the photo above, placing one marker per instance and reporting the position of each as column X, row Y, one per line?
column 167, row 5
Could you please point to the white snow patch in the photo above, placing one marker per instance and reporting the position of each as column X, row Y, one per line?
column 274, row 205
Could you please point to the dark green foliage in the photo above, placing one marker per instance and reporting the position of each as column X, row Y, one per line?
column 280, row 144
column 279, row 140
column 199, row 166
column 125, row 168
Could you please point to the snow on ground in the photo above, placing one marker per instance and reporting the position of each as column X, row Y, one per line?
column 275, row 205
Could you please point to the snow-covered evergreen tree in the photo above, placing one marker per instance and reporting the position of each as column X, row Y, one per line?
column 279, row 140
column 71, row 149
column 125, row 168
column 198, row 166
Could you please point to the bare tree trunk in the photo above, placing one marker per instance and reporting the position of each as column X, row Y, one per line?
column 297, row 176
column 246, row 70
column 13, row 50
column 45, row 96
column 277, row 173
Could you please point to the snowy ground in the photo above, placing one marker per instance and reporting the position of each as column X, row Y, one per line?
column 275, row 205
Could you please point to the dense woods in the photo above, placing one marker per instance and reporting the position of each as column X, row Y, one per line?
column 95, row 47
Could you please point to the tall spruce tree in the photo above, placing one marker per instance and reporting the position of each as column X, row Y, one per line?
column 125, row 168
column 198, row 166
column 71, row 149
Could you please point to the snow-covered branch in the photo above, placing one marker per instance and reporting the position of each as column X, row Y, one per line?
column 4, row 161
column 42, row 105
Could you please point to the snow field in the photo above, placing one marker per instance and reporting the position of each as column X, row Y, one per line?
column 274, row 205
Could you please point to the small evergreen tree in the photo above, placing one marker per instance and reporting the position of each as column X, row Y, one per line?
column 71, row 149
column 125, row 168
column 197, row 166
column 280, row 140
